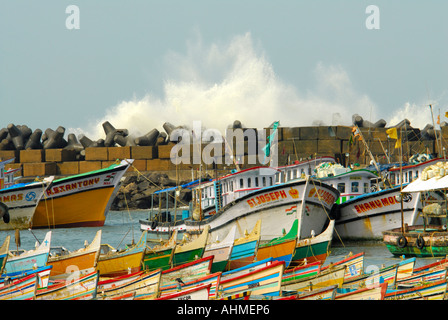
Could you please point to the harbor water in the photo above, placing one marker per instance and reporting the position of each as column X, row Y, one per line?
column 122, row 228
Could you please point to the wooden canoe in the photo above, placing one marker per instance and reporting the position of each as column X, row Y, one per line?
column 432, row 291
column 160, row 256
column 221, row 251
column 22, row 288
column 281, row 248
column 212, row 279
column 74, row 288
column 245, row 248
column 187, row 272
column 142, row 284
column 31, row 259
column 373, row 292
column 189, row 251
column 84, row 258
column 116, row 263
column 4, row 253
column 265, row 281
column 354, row 263
column 331, row 276
column 199, row 292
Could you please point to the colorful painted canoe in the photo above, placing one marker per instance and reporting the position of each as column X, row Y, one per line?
column 22, row 200
column 212, row 279
column 84, row 258
column 432, row 266
column 372, row 292
column 315, row 248
column 144, row 284
column 265, row 281
column 417, row 241
column 331, row 276
column 112, row 263
column 354, row 263
column 245, row 248
column 326, row 293
column 432, row 291
column 105, row 284
column 282, row 248
column 23, row 288
column 187, row 272
column 160, row 256
column 422, row 277
column 74, row 288
column 387, row 274
column 81, row 200
column 200, row 292
column 43, row 275
column 221, row 251
column 190, row 250
column 405, row 268
column 4, row 249
column 298, row 273
column 29, row 259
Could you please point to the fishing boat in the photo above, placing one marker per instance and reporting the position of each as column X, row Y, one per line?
column 245, row 248
column 314, row 248
column 212, row 279
column 4, row 249
column 43, row 276
column 387, row 274
column 265, row 281
column 21, row 200
column 144, row 284
column 74, row 288
column 27, row 260
column 220, row 250
column 325, row 293
column 23, row 288
column 112, row 262
column 64, row 262
column 187, row 272
column 305, row 271
column 282, row 248
column 160, row 256
column 199, row 292
column 81, row 200
column 373, row 292
column 429, row 239
column 421, row 277
column 278, row 206
column 430, row 291
column 188, row 251
column 328, row 277
column 354, row 263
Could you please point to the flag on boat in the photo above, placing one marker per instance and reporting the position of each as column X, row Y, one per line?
column 392, row 132
column 291, row 210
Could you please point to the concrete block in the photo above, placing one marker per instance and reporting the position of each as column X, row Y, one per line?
column 143, row 152
column 87, row 166
column 32, row 156
column 9, row 154
column 59, row 155
column 97, row 154
column 68, row 168
column 119, row 153
column 40, row 169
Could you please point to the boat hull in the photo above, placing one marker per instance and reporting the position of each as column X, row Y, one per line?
column 79, row 201
column 366, row 217
column 22, row 202
column 435, row 241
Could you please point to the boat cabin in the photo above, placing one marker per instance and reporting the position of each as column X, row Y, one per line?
column 300, row 169
column 6, row 176
column 410, row 172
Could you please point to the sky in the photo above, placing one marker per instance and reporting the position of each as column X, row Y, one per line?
column 139, row 64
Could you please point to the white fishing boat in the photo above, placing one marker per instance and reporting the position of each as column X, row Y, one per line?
column 278, row 205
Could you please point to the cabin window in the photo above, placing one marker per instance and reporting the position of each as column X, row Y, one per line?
column 264, row 181
column 231, row 185
column 355, row 187
column 256, row 180
column 295, row 173
column 270, row 181
column 410, row 176
column 341, row 187
column 248, row 182
column 416, row 174
column 366, row 187
column 241, row 183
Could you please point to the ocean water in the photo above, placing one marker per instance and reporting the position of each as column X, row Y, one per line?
column 122, row 228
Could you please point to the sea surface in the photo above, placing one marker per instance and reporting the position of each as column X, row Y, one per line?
column 122, row 228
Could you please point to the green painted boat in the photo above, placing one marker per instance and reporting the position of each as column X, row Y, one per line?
column 160, row 256
column 313, row 249
column 417, row 241
column 189, row 251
